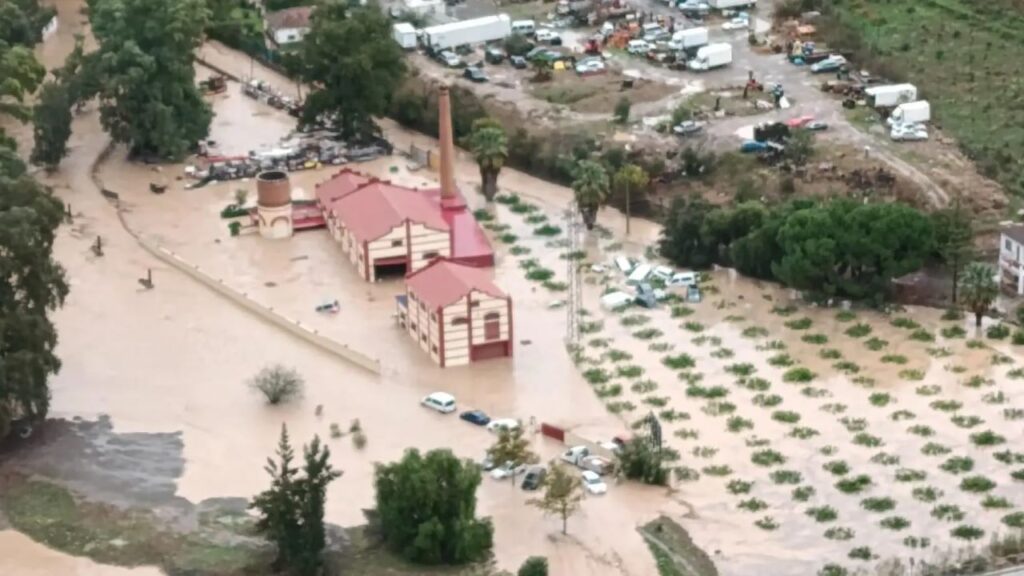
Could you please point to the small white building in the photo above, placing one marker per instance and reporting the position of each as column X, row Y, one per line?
column 1011, row 259
column 455, row 313
column 290, row 25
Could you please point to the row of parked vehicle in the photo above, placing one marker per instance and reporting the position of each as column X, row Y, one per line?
column 593, row 466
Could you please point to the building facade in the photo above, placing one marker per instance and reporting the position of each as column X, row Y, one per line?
column 289, row 26
column 1011, row 259
column 456, row 314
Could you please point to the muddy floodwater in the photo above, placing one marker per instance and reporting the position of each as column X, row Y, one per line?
column 176, row 360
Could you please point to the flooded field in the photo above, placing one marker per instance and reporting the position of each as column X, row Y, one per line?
column 762, row 443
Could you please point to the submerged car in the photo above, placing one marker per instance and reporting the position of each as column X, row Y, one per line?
column 502, row 424
column 687, row 128
column 478, row 417
column 594, row 483
column 518, row 62
column 474, row 74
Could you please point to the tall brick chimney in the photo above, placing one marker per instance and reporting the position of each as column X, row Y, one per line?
column 450, row 197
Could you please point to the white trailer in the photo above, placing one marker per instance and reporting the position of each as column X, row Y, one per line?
column 730, row 4
column 639, row 274
column 475, row 31
column 689, row 38
column 405, row 35
column 890, row 95
column 911, row 113
column 712, row 56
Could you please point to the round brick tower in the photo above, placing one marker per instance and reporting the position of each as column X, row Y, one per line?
column 274, row 204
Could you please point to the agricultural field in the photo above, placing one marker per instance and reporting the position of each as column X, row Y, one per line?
column 967, row 58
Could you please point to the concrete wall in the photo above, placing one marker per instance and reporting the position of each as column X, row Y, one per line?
column 422, row 325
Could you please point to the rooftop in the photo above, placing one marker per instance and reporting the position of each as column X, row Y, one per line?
column 376, row 208
column 1016, row 233
column 443, row 282
column 290, row 18
column 340, row 185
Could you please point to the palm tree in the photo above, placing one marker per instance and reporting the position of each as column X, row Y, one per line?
column 590, row 188
column 490, row 148
column 978, row 289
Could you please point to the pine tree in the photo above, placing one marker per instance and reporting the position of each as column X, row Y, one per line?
column 276, row 505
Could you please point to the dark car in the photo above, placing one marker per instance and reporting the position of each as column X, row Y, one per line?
column 534, row 478
column 494, row 55
column 474, row 75
column 517, row 62
column 477, row 417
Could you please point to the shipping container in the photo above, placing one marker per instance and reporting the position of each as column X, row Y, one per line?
column 468, row 32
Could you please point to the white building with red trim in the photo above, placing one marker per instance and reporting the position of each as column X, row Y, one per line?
column 456, row 313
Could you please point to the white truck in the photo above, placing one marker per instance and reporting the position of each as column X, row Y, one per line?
column 731, row 4
column 890, row 95
column 711, row 56
column 475, row 31
column 689, row 39
column 405, row 34
column 582, row 457
column 911, row 113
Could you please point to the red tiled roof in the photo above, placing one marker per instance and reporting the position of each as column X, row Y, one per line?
column 290, row 18
column 340, row 185
column 443, row 282
column 469, row 242
column 376, row 208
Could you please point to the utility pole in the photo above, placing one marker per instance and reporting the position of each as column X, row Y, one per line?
column 575, row 292
column 628, row 205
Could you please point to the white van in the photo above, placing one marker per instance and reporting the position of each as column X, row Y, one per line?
column 638, row 47
column 524, row 27
column 440, row 401
column 639, row 274
column 623, row 264
column 664, row 273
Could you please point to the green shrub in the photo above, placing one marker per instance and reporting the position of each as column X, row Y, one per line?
column 718, row 408
column 997, row 331
column 681, row 311
column 647, row 334
column 799, row 324
column 934, row 449
column 885, row 459
column 547, row 230
column 798, row 374
column 948, row 513
column 967, row 532
column 534, row 566
column 767, row 523
column 995, row 502
column 635, row 320
column 754, row 384
column 771, row 345
column 894, row 359
column 926, row 494
column 975, row 344
column 922, row 335
column 686, row 434
column 839, row 533
column 767, row 400
column 596, row 375
column 616, row 355
column 837, row 467
column 786, row 310
column 880, row 399
column 508, row 238
column 994, row 398
column 656, row 401
column 909, row 374
column 739, row 424
column 710, row 393
column 672, row 415
column 976, row 484
column 864, row 381
column 738, row 486
column 878, row 504
column 767, row 458
column 1018, row 338
column 822, row 513
column 900, row 415
column 861, row 553
column 977, row 382
column 812, row 392
column 928, row 389
column 853, row 424
column 817, row 339
column 752, row 505
column 693, row 326
column 958, row 465
column 954, row 331
column 876, row 344
column 644, row 386
column 894, row 523
column 966, row 421
column 609, row 391
column 781, row 360
column 802, row 432
column 833, row 408
column 754, row 332
column 858, row 330
column 786, row 416
column 619, row 406
column 830, row 354
column 987, row 438
column 1008, row 457
column 1015, row 520
column 685, row 474
column 940, row 352
column 723, row 353
column 741, row 369
column 853, row 484
column 946, row 405
column 538, row 218
column 803, row 493
column 865, row 439
column 519, row 250
column 539, row 274
column 786, row 477
column 845, row 316
column 921, row 430
column 660, row 347
column 629, row 371
column 718, row 470
column 905, row 323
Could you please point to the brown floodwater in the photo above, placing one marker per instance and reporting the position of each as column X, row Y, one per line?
column 21, row 556
column 178, row 357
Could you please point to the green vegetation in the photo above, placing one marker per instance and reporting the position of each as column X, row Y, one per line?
column 839, row 533
column 635, row 320
column 786, row 416
column 786, row 477
column 639, row 460
column 755, row 384
column 861, row 553
column 739, row 486
column 741, row 369
column 489, row 145
column 976, row 484
column 766, row 400
column 563, row 493
column 679, row 361
column 958, row 465
column 894, row 523
column 591, row 186
column 909, row 374
column 752, row 505
column 921, row 430
column 648, row 334
column 799, row 324
column 754, row 332
column 837, row 467
column 767, row 458
column 880, row 399
column 845, row 316
column 830, row 354
column 739, row 424
column 987, row 438
column 534, row 566
column 674, row 552
column 680, row 311
column 767, row 523
column 876, row 344
column 878, row 504
column 935, row 449
column 798, row 375
column 865, row 439
column 853, row 484
column 858, row 330
column 926, row 494
column 803, row 493
column 905, row 323
column 995, row 502
column 823, row 513
column 967, row 532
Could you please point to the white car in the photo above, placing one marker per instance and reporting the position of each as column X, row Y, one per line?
column 443, row 402
column 506, row 470
column 546, row 35
column 450, row 59
column 593, row 483
column 683, row 279
column 501, row 424
column 738, row 23
column 590, row 66
column 908, row 132
column 638, row 47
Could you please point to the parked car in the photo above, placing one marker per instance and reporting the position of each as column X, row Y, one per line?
column 590, row 66
column 450, row 59
column 683, row 279
column 799, row 121
column 830, row 64
column 534, row 478
column 494, row 55
column 908, row 132
column 687, row 127
column 487, row 464
column 638, row 47
column 507, row 470
column 478, row 417
column 501, row 424
column 749, row 146
column 517, row 62
column 593, row 483
column 474, row 74
column 441, row 401
column 548, row 36
column 737, row 23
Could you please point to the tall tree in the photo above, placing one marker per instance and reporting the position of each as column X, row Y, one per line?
column 563, row 492
column 33, row 285
column 978, row 289
column 148, row 95
column 681, row 240
column 20, row 75
column 427, row 508
column 22, row 21
column 590, row 188
column 353, row 64
column 629, row 185
column 490, row 148
column 512, row 449
column 51, row 120
column 954, row 239
column 291, row 511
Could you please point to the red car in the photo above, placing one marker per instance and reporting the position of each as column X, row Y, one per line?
column 800, row 121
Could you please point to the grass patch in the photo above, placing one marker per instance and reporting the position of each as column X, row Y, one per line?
column 802, row 432
column 648, row 334
column 754, row 332
column 822, row 513
column 767, row 523
column 830, row 354
column 785, row 416
column 922, row 335
column 950, row 332
column 948, row 513
column 997, row 332
column 926, row 494
column 967, row 532
column 995, row 503
column 894, row 359
column 977, row 484
column 739, row 486
column 878, row 504
column 912, row 374
column 766, row 400
column 921, row 430
column 935, row 449
column 803, row 493
column 837, row 467
column 865, row 439
column 816, row 339
column 752, row 505
column 629, row 371
column 786, row 477
column 853, row 484
column 767, row 458
column 781, row 360
column 739, row 424
column 905, row 323
column 987, row 438
column 966, row 421
column 741, row 369
column 895, row 523
column 635, row 320
column 754, row 384
column 681, row 311
column 946, row 405
column 876, row 344
column 799, row 375
column 708, row 392
column 616, row 355
column 547, row 230
column 958, row 465
column 663, row 533
column 858, row 330
column 692, row 326
column 656, row 401
column 799, row 324
column 679, row 361
column 880, row 399
column 718, row 470
column 839, row 533
column 845, row 316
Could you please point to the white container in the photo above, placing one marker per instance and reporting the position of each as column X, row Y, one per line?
column 405, row 34
column 730, row 4
column 468, row 32
column 712, row 56
column 689, row 38
column 616, row 301
column 524, row 27
column 638, row 47
column 890, row 95
column 623, row 264
column 639, row 274
column 911, row 113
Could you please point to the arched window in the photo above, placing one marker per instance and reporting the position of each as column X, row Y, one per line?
column 459, row 321
column 492, row 316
